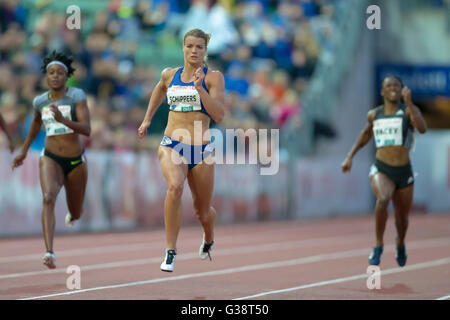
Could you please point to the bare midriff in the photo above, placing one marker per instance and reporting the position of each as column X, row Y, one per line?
column 188, row 127
column 393, row 155
column 64, row 145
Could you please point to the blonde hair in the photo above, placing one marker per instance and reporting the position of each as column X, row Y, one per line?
column 198, row 33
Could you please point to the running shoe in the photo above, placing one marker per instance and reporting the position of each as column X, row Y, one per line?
column 169, row 260
column 49, row 260
column 69, row 221
column 401, row 256
column 205, row 249
column 374, row 258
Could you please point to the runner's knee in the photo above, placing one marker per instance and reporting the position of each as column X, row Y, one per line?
column 383, row 200
column 175, row 189
column 401, row 219
column 49, row 198
column 202, row 214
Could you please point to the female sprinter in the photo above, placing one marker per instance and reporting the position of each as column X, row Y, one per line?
column 195, row 95
column 8, row 136
column 64, row 113
column 392, row 125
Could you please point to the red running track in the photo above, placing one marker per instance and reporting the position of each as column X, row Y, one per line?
column 288, row 260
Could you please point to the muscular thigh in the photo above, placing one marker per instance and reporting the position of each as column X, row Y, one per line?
column 172, row 167
column 75, row 185
column 51, row 176
column 201, row 182
column 403, row 199
column 382, row 186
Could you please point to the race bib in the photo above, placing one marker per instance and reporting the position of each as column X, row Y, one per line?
column 53, row 127
column 183, row 98
column 388, row 132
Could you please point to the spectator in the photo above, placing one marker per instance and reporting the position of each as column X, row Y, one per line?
column 266, row 49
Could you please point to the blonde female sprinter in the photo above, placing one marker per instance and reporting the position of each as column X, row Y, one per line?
column 195, row 95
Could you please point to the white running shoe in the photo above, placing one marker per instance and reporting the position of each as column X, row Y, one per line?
column 169, row 260
column 49, row 260
column 69, row 221
column 205, row 249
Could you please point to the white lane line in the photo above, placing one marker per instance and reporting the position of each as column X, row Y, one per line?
column 215, row 273
column 280, row 246
column 276, row 264
column 142, row 246
column 84, row 251
column 417, row 266
column 99, row 250
column 444, row 298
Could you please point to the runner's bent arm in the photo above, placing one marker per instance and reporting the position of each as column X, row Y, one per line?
column 5, row 130
column 363, row 139
column 157, row 98
column 81, row 126
column 3, row 126
column 33, row 131
column 215, row 100
column 413, row 112
column 365, row 136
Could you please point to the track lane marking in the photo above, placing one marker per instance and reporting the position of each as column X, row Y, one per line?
column 188, row 256
column 417, row 266
column 142, row 246
column 276, row 264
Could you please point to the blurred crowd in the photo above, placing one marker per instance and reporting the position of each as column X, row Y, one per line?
column 266, row 49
